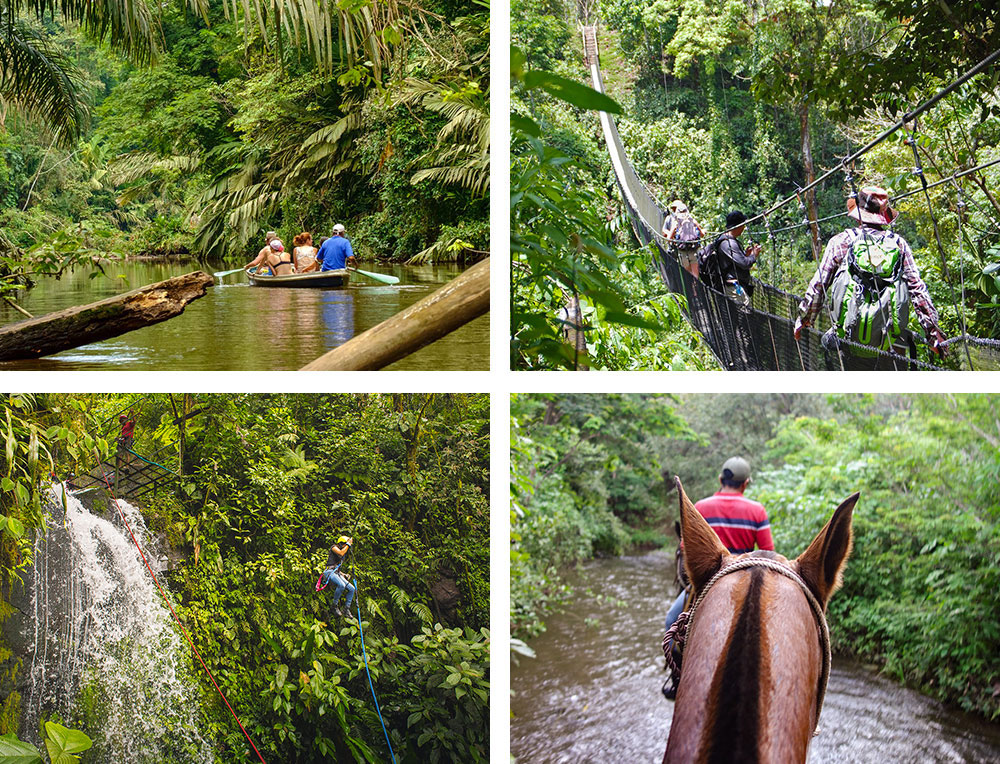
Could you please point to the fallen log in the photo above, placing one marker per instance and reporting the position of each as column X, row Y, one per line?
column 98, row 321
column 453, row 305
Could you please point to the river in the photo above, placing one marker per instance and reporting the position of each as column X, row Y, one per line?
column 237, row 327
column 592, row 694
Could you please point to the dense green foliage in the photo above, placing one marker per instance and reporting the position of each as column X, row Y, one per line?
column 920, row 589
column 733, row 106
column 228, row 127
column 269, row 482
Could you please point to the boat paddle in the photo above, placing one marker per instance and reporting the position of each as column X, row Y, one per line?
column 382, row 277
column 221, row 274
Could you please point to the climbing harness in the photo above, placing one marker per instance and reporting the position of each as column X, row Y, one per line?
column 187, row 635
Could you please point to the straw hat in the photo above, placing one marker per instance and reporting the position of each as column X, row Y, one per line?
column 678, row 206
column 872, row 206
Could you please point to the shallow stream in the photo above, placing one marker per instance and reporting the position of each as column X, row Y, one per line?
column 592, row 694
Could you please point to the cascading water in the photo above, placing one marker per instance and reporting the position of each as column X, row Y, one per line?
column 101, row 648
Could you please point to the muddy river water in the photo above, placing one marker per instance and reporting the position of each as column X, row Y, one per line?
column 241, row 328
column 592, row 694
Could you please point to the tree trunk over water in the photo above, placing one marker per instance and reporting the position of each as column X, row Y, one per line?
column 453, row 305
column 101, row 320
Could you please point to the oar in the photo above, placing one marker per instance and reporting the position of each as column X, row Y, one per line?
column 382, row 277
column 221, row 274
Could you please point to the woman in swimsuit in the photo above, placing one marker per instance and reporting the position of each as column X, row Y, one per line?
column 304, row 253
column 276, row 261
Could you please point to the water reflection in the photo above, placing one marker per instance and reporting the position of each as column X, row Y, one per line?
column 338, row 317
column 238, row 327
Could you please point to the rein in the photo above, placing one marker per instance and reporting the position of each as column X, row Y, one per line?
column 678, row 633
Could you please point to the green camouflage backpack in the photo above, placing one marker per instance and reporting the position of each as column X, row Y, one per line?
column 869, row 301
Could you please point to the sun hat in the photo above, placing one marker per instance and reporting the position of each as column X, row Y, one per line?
column 678, row 206
column 270, row 235
column 872, row 206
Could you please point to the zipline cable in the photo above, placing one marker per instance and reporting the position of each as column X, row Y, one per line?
column 364, row 654
column 163, row 594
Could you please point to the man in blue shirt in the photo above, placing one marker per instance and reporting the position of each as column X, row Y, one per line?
column 336, row 252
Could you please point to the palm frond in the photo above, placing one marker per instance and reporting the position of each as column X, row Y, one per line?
column 38, row 78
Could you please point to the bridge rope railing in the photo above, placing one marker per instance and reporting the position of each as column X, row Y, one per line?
column 760, row 336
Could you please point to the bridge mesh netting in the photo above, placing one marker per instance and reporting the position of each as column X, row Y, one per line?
column 757, row 337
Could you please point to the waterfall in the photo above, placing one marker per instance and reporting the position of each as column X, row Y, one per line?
column 101, row 649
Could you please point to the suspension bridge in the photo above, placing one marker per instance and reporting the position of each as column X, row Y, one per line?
column 760, row 335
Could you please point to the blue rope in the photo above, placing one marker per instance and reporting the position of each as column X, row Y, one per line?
column 365, row 655
column 148, row 461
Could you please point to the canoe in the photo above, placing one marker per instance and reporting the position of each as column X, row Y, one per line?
column 315, row 279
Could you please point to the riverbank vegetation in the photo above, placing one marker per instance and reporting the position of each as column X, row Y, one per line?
column 735, row 106
column 920, row 589
column 267, row 483
column 193, row 127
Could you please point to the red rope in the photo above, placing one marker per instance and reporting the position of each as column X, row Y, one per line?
column 156, row 581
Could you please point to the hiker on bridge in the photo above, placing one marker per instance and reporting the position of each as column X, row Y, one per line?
column 332, row 574
column 726, row 266
column 740, row 524
column 682, row 231
column 871, row 279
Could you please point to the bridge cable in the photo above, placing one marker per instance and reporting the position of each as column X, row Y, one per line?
column 918, row 170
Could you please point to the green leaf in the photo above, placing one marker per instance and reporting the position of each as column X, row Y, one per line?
column 62, row 743
column 572, row 92
column 525, row 125
column 14, row 751
column 14, row 527
column 627, row 319
column 7, row 484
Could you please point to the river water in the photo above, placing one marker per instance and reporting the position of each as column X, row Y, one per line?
column 592, row 694
column 237, row 327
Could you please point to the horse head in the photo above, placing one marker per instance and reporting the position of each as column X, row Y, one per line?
column 756, row 657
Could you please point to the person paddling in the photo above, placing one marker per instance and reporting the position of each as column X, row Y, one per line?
column 332, row 574
column 336, row 253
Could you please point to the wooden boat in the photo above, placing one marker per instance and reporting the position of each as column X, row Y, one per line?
column 315, row 279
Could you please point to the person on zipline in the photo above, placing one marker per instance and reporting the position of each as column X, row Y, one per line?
column 872, row 211
column 332, row 574
column 733, row 262
column 684, row 234
column 739, row 523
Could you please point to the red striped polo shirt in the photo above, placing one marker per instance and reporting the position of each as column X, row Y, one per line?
column 739, row 522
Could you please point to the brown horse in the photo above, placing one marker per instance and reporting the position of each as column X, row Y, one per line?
column 756, row 658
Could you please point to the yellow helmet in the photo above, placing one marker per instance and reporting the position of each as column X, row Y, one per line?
column 343, row 540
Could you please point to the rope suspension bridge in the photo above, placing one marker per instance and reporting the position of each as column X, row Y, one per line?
column 760, row 335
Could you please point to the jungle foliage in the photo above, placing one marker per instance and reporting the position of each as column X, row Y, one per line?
column 268, row 483
column 214, row 122
column 734, row 106
column 920, row 589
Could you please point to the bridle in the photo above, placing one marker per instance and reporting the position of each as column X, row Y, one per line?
column 679, row 631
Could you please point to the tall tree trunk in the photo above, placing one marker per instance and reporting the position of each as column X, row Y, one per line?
column 807, row 161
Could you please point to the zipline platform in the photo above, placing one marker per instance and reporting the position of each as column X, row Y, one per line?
column 129, row 474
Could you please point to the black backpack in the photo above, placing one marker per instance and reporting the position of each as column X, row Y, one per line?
column 709, row 267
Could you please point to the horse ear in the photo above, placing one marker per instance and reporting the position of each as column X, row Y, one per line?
column 821, row 565
column 703, row 552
